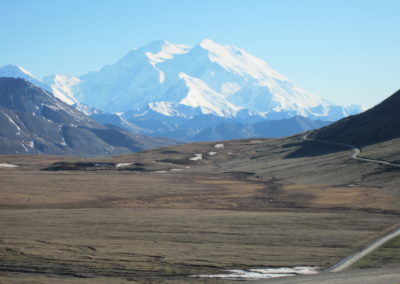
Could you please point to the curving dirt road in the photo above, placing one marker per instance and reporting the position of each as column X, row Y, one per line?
column 347, row 262
column 355, row 151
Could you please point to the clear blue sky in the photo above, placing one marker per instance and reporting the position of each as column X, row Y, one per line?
column 347, row 51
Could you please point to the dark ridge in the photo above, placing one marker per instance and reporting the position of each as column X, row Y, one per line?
column 378, row 124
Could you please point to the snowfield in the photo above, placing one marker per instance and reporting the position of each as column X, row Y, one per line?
column 197, row 157
column 180, row 80
column 5, row 165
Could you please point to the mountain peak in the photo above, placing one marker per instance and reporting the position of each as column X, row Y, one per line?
column 158, row 45
column 15, row 71
column 228, row 75
column 240, row 62
column 211, row 45
column 206, row 43
column 156, row 51
column 218, row 49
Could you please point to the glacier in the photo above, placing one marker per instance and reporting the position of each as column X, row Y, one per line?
column 184, row 81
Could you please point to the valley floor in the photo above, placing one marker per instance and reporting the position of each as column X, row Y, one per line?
column 166, row 217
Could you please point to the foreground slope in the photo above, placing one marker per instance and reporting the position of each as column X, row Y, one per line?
column 35, row 122
column 164, row 215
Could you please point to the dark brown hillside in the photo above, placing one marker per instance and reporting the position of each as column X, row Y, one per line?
column 378, row 124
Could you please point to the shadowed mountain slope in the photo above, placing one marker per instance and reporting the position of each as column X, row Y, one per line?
column 378, row 124
column 33, row 121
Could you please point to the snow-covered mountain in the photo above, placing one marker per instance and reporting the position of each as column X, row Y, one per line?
column 14, row 71
column 177, row 91
column 61, row 86
column 179, row 80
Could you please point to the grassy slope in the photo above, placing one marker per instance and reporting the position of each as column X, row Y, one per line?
column 386, row 256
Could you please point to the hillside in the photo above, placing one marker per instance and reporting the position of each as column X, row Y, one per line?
column 378, row 124
column 202, row 208
column 33, row 121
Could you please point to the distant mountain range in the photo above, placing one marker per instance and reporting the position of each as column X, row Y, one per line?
column 33, row 121
column 183, row 92
column 265, row 128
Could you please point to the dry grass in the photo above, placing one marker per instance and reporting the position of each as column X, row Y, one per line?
column 386, row 256
column 247, row 206
column 169, row 242
column 350, row 196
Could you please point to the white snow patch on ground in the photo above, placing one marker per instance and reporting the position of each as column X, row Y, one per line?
column 176, row 170
column 263, row 273
column 5, row 165
column 121, row 165
column 160, row 172
column 219, row 146
column 256, row 141
column 197, row 157
column 212, row 153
